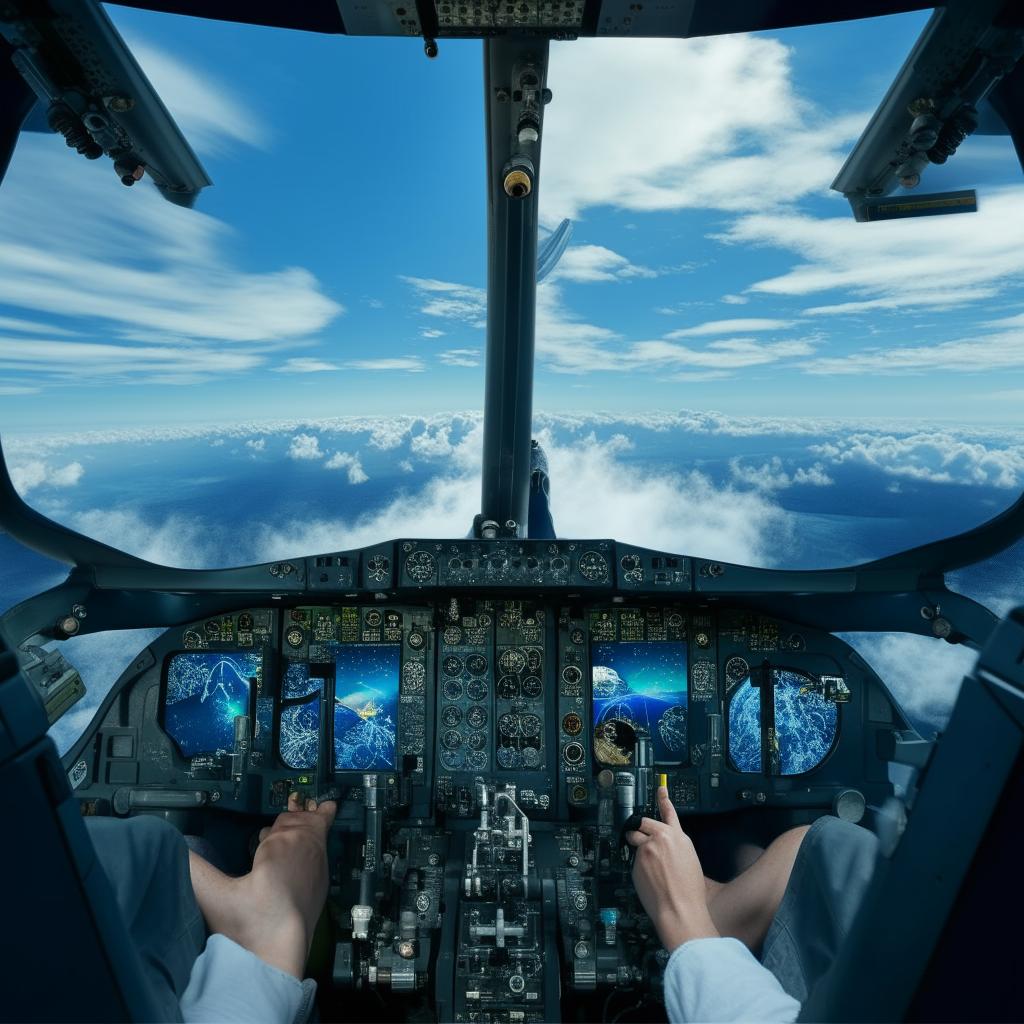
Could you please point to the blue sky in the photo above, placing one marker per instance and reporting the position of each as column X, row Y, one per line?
column 336, row 266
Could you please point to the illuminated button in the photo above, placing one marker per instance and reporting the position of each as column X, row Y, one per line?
column 294, row 636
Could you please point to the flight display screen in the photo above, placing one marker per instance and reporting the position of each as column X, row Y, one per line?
column 365, row 706
column 206, row 692
column 639, row 688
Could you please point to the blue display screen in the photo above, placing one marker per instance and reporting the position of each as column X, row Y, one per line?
column 299, row 742
column 805, row 724
column 206, row 692
column 365, row 706
column 643, row 685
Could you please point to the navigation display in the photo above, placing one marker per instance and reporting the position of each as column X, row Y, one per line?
column 639, row 688
column 365, row 706
column 206, row 692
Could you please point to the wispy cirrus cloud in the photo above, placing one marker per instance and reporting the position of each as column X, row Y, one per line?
column 588, row 264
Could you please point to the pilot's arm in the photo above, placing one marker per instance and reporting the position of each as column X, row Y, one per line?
column 708, row 977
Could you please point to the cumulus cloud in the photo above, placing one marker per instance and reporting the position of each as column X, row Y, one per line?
column 257, row 444
column 586, row 264
column 305, row 448
column 343, row 460
column 740, row 138
column 933, row 457
column 179, row 540
column 923, row 674
column 27, row 476
column 772, row 476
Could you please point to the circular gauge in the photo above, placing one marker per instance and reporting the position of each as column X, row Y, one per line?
column 531, row 757
column 703, row 674
column 416, row 640
column 593, row 566
column 453, row 636
column 451, row 716
column 476, row 664
column 531, row 725
column 532, row 687
column 630, row 563
column 484, row 619
column 452, row 689
column 190, row 638
column 452, row 759
column 477, row 740
column 795, row 642
column 477, row 689
column 374, row 618
column 294, row 636
column 245, row 622
column 420, row 566
column 559, row 564
column 413, row 745
column 508, row 688
column 702, row 639
column 454, row 564
column 534, row 660
column 452, row 665
column 476, row 760
column 577, row 636
column 672, row 730
column 213, row 627
column 476, row 717
column 572, row 724
column 508, row 757
column 737, row 669
column 378, row 568
column 512, row 661
column 614, row 742
column 675, row 620
column 572, row 675
column 509, row 725
column 414, row 672
column 452, row 739
column 573, row 753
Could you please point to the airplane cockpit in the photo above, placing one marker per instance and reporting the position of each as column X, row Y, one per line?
column 490, row 710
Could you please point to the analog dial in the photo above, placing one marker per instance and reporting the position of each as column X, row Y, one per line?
column 593, row 566
column 420, row 566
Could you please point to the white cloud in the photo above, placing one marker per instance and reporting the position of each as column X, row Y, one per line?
column 75, row 243
column 924, row 674
column 406, row 466
column 408, row 364
column 18, row 389
column 431, row 332
column 772, row 475
column 933, row 457
column 735, row 300
column 343, row 460
column 663, row 124
column 257, row 444
column 460, row 357
column 589, row 263
column 27, row 476
column 432, row 444
column 183, row 541
column 607, row 497
column 306, row 365
column 206, row 111
column 932, row 262
column 741, row 325
column 450, row 300
column 305, row 447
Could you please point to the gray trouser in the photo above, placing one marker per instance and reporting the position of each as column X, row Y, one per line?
column 830, row 876
column 146, row 860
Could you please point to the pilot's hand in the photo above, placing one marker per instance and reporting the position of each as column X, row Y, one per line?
column 669, row 879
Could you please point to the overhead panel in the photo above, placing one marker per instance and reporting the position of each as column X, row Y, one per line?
column 456, row 17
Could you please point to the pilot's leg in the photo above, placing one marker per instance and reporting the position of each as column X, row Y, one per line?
column 830, row 876
column 745, row 907
column 146, row 861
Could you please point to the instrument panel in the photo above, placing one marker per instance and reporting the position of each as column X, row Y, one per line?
column 486, row 753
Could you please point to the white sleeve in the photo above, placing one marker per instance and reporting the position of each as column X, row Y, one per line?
column 228, row 984
column 719, row 980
